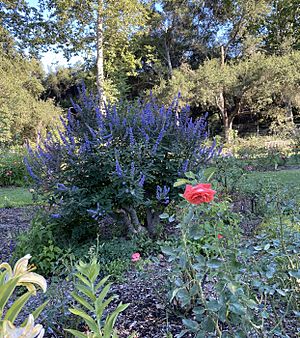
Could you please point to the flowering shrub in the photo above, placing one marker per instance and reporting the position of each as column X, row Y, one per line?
column 119, row 164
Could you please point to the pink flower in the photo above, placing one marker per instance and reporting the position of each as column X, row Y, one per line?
column 249, row 168
column 220, row 236
column 135, row 257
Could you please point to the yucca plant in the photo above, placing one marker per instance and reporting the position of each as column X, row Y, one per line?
column 91, row 296
column 20, row 275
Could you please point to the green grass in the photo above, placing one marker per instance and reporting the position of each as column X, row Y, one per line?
column 15, row 197
column 281, row 177
column 285, row 180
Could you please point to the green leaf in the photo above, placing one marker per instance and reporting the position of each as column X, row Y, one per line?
column 164, row 216
column 232, row 287
column 111, row 320
column 82, row 301
column 184, row 296
column 17, row 306
column 190, row 324
column 7, row 290
column 104, row 292
column 237, row 309
column 167, row 250
column 88, row 319
column 76, row 333
column 270, row 272
column 100, row 307
column 36, row 312
column 281, row 292
column 39, row 310
column 102, row 282
column 190, row 174
column 208, row 324
column 214, row 263
column 86, row 291
column 209, row 172
column 214, row 305
column 181, row 182
column 83, row 279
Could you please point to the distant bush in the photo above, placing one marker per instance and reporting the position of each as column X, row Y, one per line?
column 12, row 168
column 120, row 164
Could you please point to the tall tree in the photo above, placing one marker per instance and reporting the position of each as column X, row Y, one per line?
column 281, row 28
column 102, row 30
column 22, row 111
column 24, row 23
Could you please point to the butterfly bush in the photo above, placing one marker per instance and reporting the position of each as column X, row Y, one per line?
column 121, row 162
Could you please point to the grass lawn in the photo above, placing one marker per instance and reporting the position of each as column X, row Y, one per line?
column 15, row 197
column 281, row 179
column 280, row 176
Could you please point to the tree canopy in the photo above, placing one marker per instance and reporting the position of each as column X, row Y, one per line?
column 228, row 57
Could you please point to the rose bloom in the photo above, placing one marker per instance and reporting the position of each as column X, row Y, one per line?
column 220, row 236
column 200, row 193
column 135, row 257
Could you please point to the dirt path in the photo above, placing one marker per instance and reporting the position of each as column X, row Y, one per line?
column 13, row 221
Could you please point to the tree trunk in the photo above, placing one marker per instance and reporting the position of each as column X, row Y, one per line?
column 168, row 57
column 152, row 222
column 289, row 111
column 227, row 127
column 99, row 59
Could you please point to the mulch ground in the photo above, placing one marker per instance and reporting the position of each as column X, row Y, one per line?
column 13, row 221
column 146, row 317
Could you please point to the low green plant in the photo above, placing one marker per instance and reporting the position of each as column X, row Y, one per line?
column 39, row 240
column 91, row 296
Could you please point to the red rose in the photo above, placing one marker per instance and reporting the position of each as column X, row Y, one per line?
column 220, row 236
column 200, row 193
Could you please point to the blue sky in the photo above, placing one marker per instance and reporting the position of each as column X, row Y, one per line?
column 51, row 60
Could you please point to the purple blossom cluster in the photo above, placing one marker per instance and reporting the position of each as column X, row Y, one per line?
column 162, row 194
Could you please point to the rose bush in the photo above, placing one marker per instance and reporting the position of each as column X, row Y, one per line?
column 226, row 285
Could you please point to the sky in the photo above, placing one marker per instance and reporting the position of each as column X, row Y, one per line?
column 50, row 59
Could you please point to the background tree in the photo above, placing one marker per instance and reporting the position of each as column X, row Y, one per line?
column 265, row 86
column 103, row 31
column 22, row 112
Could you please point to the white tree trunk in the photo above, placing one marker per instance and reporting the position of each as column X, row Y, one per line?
column 99, row 60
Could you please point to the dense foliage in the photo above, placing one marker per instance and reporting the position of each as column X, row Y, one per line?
column 120, row 164
column 22, row 112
